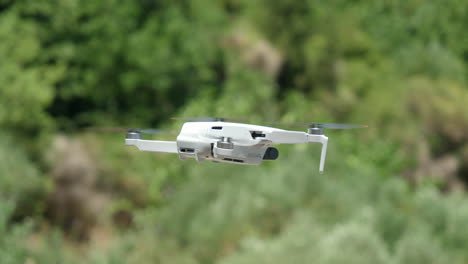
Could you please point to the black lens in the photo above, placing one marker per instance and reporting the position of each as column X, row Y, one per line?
column 271, row 154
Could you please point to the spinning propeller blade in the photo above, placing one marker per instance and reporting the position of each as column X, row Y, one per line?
column 322, row 125
column 336, row 126
column 210, row 119
column 153, row 131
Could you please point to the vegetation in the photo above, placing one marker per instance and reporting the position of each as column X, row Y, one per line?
column 393, row 193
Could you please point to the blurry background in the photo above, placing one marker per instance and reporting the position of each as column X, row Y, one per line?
column 393, row 193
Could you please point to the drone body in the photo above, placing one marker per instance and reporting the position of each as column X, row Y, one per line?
column 231, row 142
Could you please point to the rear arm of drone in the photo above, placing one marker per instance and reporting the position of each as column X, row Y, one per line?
column 153, row 145
column 296, row 137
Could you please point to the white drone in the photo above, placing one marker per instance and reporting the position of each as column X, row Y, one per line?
column 212, row 138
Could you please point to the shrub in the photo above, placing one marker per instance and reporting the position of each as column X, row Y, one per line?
column 20, row 182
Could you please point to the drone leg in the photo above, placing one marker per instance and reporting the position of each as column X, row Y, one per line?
column 322, row 139
column 323, row 155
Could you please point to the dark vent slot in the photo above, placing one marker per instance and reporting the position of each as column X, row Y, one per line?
column 217, row 127
column 187, row 150
column 234, row 160
column 256, row 134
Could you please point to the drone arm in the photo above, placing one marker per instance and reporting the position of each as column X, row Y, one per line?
column 296, row 137
column 153, row 145
column 287, row 137
column 324, row 141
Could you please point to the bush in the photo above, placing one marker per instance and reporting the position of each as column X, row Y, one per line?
column 20, row 182
column 12, row 237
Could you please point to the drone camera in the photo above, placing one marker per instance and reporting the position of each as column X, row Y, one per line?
column 271, row 154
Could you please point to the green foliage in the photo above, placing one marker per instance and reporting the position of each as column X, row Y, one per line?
column 419, row 248
column 12, row 250
column 444, row 102
column 123, row 59
column 20, row 181
column 302, row 242
column 24, row 82
column 398, row 66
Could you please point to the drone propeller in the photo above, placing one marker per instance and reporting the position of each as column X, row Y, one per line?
column 321, row 125
column 153, row 131
column 210, row 119
column 335, row 126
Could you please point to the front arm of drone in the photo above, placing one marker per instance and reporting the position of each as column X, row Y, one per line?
column 296, row 137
